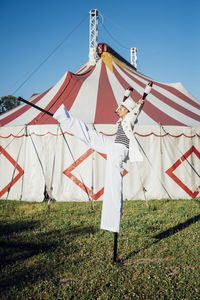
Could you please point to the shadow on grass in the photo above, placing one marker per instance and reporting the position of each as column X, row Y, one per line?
column 20, row 226
column 12, row 250
column 53, row 248
column 165, row 234
column 173, row 230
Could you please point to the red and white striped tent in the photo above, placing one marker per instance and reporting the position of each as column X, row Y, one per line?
column 34, row 153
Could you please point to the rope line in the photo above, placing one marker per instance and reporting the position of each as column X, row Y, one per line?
column 142, row 184
column 74, row 161
column 183, row 156
column 24, row 159
column 53, row 168
column 51, row 53
column 152, row 167
column 37, row 154
column 40, row 162
column 119, row 26
column 115, row 39
column 13, row 175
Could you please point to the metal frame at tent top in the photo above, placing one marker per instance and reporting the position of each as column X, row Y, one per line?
column 93, row 36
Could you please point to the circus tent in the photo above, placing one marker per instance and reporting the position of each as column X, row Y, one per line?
column 37, row 154
column 100, row 88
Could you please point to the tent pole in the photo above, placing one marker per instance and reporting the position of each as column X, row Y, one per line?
column 115, row 247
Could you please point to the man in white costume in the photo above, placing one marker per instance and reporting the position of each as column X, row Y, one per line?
column 118, row 151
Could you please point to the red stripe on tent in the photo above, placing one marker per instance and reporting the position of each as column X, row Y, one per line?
column 81, row 70
column 20, row 111
column 180, row 95
column 43, row 118
column 173, row 91
column 66, row 95
column 152, row 111
column 106, row 102
column 176, row 106
column 166, row 100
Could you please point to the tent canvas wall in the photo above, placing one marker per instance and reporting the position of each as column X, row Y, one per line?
column 37, row 152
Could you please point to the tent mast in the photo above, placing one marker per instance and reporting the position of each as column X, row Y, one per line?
column 134, row 57
column 93, row 36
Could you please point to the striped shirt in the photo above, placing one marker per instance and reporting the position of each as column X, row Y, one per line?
column 121, row 137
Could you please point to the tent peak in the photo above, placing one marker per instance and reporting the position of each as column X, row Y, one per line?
column 103, row 47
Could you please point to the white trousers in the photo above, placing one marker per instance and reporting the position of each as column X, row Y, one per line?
column 116, row 155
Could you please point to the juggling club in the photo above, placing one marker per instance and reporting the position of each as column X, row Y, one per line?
column 147, row 89
column 127, row 93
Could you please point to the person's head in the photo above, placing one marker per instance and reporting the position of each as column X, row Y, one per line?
column 125, row 107
column 122, row 111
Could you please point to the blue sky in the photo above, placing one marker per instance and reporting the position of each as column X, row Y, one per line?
column 165, row 32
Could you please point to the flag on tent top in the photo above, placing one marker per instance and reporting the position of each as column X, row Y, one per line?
column 94, row 92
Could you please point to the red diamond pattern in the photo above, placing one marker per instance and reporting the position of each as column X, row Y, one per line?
column 18, row 168
column 170, row 171
column 68, row 173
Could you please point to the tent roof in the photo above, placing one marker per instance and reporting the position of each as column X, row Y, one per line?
column 94, row 92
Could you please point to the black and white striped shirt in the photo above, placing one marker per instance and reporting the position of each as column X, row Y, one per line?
column 121, row 137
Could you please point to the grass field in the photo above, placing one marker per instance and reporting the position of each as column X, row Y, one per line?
column 62, row 254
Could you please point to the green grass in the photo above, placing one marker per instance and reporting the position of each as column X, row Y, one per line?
column 62, row 254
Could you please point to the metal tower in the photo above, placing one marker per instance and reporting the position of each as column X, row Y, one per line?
column 134, row 57
column 93, row 36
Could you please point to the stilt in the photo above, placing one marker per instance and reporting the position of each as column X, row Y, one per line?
column 115, row 247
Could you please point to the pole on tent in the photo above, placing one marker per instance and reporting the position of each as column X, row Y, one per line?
column 35, row 106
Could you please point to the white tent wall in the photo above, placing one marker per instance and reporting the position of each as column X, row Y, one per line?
column 32, row 181
column 19, row 162
column 45, row 159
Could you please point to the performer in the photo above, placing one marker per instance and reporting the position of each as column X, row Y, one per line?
column 118, row 151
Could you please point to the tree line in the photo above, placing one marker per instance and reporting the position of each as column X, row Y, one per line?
column 8, row 102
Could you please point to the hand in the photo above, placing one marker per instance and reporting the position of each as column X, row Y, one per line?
column 141, row 101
